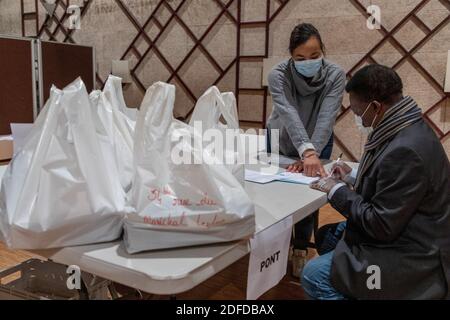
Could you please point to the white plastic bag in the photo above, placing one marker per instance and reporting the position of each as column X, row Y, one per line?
column 179, row 205
column 209, row 110
column 115, row 128
column 59, row 190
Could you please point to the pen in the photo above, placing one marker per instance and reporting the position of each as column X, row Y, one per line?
column 337, row 161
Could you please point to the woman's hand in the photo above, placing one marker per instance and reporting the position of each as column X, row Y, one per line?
column 296, row 167
column 312, row 166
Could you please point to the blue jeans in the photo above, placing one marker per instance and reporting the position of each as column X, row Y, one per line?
column 316, row 276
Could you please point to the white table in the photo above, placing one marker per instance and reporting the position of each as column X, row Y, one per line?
column 172, row 272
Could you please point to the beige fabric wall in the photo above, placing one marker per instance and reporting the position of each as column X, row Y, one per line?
column 342, row 25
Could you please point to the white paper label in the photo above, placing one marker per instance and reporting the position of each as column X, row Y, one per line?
column 268, row 258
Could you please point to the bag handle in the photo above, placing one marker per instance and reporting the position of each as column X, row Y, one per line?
column 212, row 105
column 229, row 110
column 155, row 118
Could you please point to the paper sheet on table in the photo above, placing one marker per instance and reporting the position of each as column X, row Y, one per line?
column 298, row 178
column 263, row 178
column 260, row 177
column 19, row 133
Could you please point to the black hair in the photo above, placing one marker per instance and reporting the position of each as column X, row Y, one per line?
column 376, row 82
column 301, row 34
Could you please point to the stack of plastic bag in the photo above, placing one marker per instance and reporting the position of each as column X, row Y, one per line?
column 211, row 107
column 179, row 203
column 61, row 189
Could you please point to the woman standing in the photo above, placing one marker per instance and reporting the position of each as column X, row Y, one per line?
column 307, row 93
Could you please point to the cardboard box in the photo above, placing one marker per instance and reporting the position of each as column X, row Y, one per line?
column 6, row 150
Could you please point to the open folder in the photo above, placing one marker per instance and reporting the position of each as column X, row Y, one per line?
column 263, row 178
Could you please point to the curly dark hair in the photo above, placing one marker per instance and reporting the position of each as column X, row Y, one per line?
column 376, row 82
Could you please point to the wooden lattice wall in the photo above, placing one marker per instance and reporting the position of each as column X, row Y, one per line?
column 232, row 11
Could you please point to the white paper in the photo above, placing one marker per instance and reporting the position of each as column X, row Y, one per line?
column 268, row 258
column 19, row 133
column 263, row 178
column 260, row 177
column 299, row 178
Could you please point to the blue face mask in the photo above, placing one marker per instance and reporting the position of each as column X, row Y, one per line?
column 309, row 68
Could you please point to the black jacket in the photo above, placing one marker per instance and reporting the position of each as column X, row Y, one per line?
column 399, row 220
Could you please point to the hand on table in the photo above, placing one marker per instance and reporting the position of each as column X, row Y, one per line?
column 296, row 167
column 312, row 166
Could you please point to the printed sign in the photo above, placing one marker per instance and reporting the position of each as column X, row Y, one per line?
column 268, row 258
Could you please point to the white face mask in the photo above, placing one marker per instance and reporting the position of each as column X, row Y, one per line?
column 360, row 124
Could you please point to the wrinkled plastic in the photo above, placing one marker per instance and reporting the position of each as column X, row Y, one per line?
column 60, row 189
column 211, row 107
column 179, row 205
column 115, row 128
